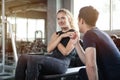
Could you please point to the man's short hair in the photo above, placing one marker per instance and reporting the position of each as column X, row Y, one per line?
column 89, row 14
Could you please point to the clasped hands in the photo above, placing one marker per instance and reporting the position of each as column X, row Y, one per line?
column 74, row 36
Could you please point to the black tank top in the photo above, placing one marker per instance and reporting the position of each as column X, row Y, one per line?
column 57, row 54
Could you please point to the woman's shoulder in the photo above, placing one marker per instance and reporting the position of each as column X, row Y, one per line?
column 71, row 30
column 60, row 32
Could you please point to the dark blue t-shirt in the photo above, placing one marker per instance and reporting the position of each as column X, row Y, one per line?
column 108, row 55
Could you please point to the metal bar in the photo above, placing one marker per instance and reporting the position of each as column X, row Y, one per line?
column 3, row 34
column 13, row 43
column 2, row 64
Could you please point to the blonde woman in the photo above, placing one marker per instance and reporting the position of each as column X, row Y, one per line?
column 60, row 46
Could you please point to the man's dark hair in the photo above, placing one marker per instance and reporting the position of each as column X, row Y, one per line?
column 89, row 14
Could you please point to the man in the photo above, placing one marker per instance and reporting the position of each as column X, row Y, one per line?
column 99, row 53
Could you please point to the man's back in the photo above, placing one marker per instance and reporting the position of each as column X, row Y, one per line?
column 108, row 56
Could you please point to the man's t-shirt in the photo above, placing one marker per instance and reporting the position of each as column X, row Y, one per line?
column 108, row 55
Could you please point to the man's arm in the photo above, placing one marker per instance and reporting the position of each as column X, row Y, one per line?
column 88, row 57
column 80, row 51
column 91, row 66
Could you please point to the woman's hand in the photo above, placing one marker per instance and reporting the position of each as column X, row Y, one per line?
column 74, row 37
column 68, row 34
column 65, row 35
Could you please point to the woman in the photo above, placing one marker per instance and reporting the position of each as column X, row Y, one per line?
column 61, row 46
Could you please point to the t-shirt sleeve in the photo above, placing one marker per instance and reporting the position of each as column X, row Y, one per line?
column 89, row 40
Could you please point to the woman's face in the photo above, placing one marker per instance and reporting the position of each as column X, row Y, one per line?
column 63, row 20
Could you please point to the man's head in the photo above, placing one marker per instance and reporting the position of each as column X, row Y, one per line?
column 87, row 15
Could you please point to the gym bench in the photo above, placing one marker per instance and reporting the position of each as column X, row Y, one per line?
column 70, row 72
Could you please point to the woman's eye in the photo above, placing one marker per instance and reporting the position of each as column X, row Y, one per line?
column 58, row 18
column 62, row 17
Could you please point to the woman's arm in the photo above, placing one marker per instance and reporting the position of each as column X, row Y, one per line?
column 55, row 39
column 66, row 50
column 70, row 46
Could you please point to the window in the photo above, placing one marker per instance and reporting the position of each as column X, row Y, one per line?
column 109, row 11
column 116, row 14
column 26, row 28
column 35, row 25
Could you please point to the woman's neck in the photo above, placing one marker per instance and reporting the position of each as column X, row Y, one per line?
column 65, row 29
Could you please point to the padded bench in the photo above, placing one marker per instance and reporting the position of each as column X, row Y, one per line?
column 70, row 72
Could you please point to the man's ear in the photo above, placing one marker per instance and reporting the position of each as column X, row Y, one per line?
column 82, row 21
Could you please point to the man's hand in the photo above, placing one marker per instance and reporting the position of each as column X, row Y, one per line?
column 74, row 37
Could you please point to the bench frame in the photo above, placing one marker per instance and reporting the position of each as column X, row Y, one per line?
column 69, row 72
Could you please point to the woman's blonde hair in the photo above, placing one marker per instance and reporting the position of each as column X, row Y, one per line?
column 70, row 16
